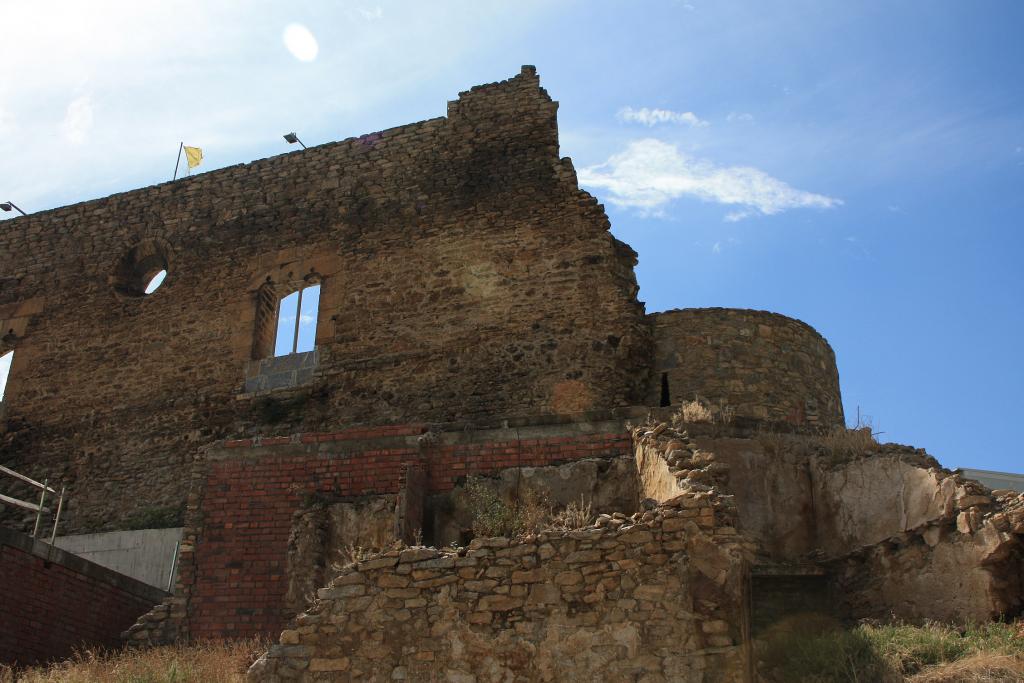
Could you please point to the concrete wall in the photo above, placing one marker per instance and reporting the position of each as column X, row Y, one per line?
column 53, row 601
column 997, row 480
column 145, row 554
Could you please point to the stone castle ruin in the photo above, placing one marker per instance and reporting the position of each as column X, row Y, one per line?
column 477, row 337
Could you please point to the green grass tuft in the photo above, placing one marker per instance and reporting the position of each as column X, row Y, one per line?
column 816, row 650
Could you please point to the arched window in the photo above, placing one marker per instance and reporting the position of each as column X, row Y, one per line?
column 296, row 321
column 266, row 321
column 286, row 316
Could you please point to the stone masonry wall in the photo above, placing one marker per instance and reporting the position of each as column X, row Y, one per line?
column 324, row 535
column 607, row 484
column 658, row 596
column 233, row 575
column 458, row 260
column 884, row 527
column 963, row 565
column 765, row 366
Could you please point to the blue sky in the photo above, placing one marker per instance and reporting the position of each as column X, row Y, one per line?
column 855, row 165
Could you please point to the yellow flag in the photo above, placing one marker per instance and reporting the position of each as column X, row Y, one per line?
column 194, row 156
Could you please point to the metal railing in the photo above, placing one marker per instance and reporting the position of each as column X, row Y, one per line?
column 38, row 508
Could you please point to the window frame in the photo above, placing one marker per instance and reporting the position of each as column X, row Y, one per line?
column 307, row 283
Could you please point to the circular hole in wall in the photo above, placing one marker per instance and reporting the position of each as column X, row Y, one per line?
column 143, row 269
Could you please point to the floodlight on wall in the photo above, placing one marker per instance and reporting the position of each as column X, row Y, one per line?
column 7, row 206
column 292, row 138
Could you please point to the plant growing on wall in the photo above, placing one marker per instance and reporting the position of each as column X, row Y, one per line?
column 574, row 516
column 494, row 517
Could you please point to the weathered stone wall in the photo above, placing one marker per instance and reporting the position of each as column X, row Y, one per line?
column 797, row 498
column 233, row 578
column 870, row 499
column 669, row 463
column 459, row 263
column 964, row 566
column 944, row 547
column 659, row 597
column 54, row 602
column 325, row 536
column 895, row 533
column 763, row 365
column 774, row 491
column 890, row 530
column 606, row 484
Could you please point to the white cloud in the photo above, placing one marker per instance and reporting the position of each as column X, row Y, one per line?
column 650, row 173
column 371, row 14
column 735, row 116
column 303, row 319
column 77, row 120
column 652, row 117
column 231, row 87
column 736, row 216
column 301, row 42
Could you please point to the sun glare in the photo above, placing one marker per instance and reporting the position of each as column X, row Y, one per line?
column 300, row 42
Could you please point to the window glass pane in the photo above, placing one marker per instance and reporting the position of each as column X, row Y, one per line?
column 307, row 323
column 5, row 370
column 286, row 324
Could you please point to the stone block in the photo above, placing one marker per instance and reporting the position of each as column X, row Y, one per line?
column 333, row 664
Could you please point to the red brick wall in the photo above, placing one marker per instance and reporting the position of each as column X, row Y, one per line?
column 251, row 492
column 47, row 609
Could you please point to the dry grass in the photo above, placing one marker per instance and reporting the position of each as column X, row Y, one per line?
column 838, row 445
column 726, row 412
column 493, row 517
column 206, row 662
column 533, row 510
column 979, row 668
column 813, row 650
column 847, row 443
column 694, row 411
column 530, row 513
column 573, row 516
column 700, row 411
column 350, row 554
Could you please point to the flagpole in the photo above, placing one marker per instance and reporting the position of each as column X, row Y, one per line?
column 180, row 147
